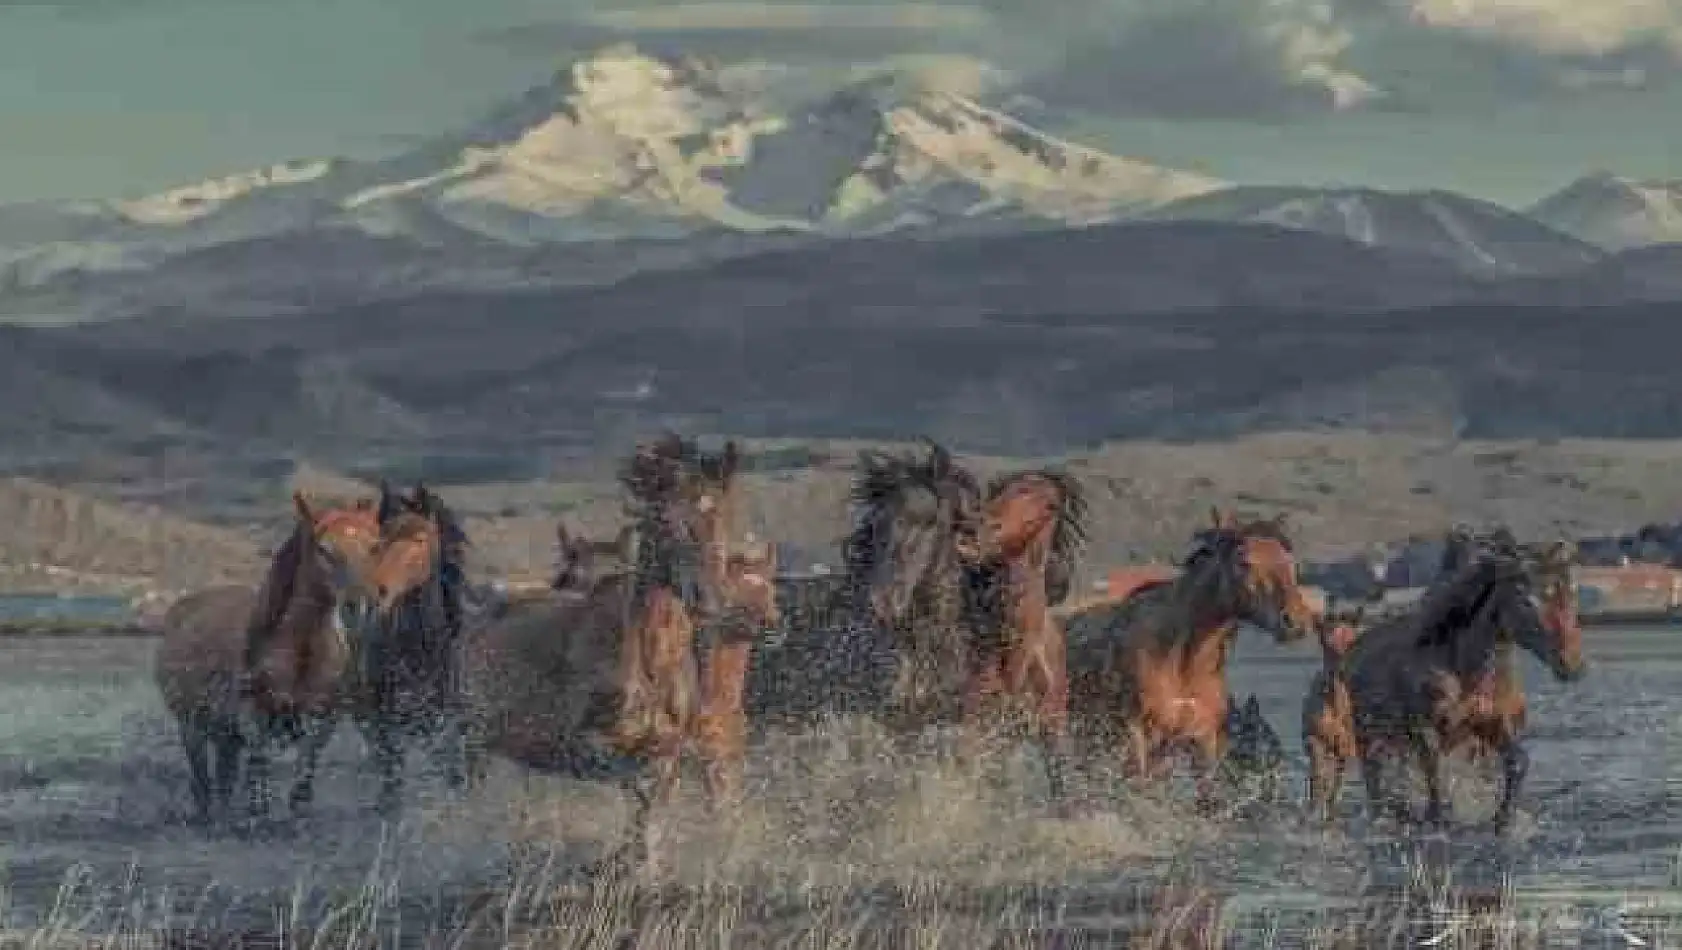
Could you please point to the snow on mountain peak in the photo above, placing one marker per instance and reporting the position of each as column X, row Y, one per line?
column 1614, row 211
column 191, row 202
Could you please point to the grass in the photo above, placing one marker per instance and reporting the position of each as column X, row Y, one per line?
column 836, row 848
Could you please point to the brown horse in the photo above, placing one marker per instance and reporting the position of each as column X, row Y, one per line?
column 198, row 670
column 301, row 639
column 1328, row 717
column 1151, row 670
column 601, row 681
column 1442, row 677
column 1032, row 526
column 581, row 561
column 683, row 509
column 409, row 681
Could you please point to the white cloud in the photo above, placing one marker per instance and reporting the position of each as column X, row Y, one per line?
column 1560, row 27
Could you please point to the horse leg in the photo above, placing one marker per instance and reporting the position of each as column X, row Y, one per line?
column 983, row 683
column 1208, row 752
column 648, row 823
column 317, row 734
column 229, row 745
column 258, row 768
column 1426, row 750
column 1051, row 716
column 721, row 727
column 1372, row 775
column 1326, row 779
column 1515, row 766
column 388, row 761
column 195, row 741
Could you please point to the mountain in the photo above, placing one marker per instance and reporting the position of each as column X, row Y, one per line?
column 1615, row 212
column 1478, row 236
column 625, row 145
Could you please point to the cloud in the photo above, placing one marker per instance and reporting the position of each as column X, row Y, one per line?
column 1238, row 59
column 1560, row 27
column 776, row 17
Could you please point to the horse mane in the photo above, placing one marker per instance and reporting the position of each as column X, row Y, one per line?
column 1451, row 608
column 1070, row 533
column 279, row 585
column 881, row 479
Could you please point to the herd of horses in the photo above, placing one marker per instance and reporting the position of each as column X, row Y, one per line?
column 950, row 610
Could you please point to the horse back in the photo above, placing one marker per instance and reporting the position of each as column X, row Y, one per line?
column 202, row 652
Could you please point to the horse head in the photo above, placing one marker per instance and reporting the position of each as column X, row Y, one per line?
column 1505, row 597
column 1253, row 568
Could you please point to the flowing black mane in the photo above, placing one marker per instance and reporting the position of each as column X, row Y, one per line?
column 880, row 489
column 1450, row 609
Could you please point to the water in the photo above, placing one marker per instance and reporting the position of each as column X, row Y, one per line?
column 91, row 778
column 85, row 607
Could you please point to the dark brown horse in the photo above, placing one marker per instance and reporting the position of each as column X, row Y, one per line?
column 1032, row 526
column 911, row 622
column 1150, row 671
column 302, row 639
column 1442, row 677
column 409, row 683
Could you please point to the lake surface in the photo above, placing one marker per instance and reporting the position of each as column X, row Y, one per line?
column 67, row 607
column 92, row 784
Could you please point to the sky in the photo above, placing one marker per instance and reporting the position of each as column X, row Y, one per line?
column 1501, row 99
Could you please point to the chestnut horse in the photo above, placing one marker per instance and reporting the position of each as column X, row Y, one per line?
column 1328, row 717
column 409, row 684
column 301, row 640
column 1032, row 526
column 1442, row 677
column 1151, row 670
column 600, row 682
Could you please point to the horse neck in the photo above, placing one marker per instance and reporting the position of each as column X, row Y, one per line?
column 1200, row 606
column 1474, row 654
column 1025, row 600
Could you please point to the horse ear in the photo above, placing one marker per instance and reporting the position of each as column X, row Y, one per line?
column 731, row 461
column 1252, row 706
column 301, row 506
column 1217, row 518
column 563, row 537
column 940, row 460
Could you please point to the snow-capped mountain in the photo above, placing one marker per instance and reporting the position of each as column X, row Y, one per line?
column 1615, row 212
column 627, row 145
column 1481, row 237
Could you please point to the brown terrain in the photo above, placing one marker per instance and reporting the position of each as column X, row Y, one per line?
column 1342, row 491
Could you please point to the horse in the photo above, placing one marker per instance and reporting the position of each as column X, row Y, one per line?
column 601, row 682
column 409, row 682
column 1328, row 723
column 301, row 639
column 1442, row 677
column 580, row 561
column 198, row 671
column 682, row 504
column 917, row 527
column 1151, row 669
column 1255, row 756
column 1031, row 527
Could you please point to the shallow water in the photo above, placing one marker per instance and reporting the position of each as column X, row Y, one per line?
column 92, row 784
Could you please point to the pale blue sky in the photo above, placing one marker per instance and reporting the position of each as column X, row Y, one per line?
column 115, row 97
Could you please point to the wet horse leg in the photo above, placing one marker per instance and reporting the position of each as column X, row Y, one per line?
column 1428, row 753
column 229, row 744
column 649, row 815
column 388, row 761
column 1325, row 777
column 195, row 742
column 318, row 732
column 985, row 682
column 721, row 727
column 1208, row 750
column 1515, row 766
